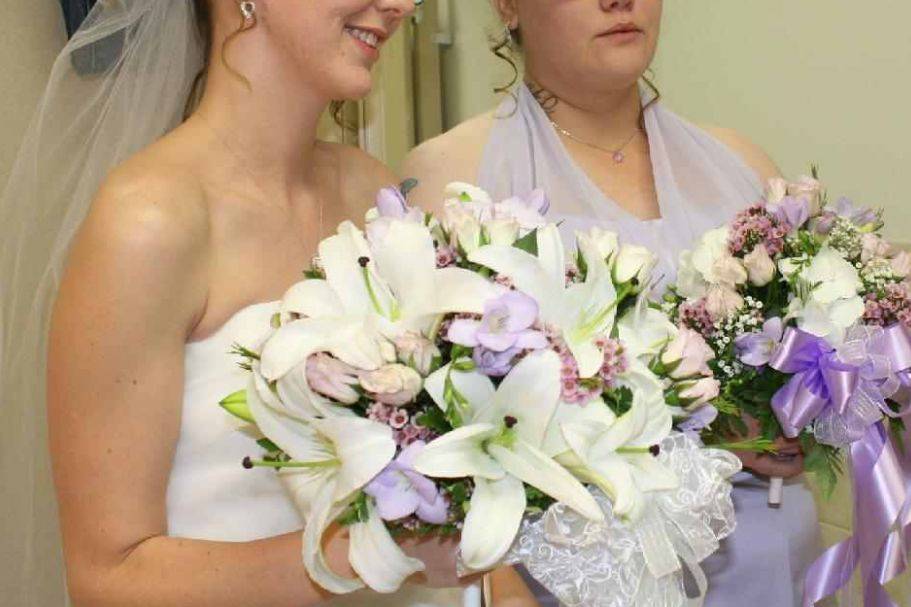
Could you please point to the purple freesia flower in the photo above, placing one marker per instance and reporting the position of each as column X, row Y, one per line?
column 859, row 216
column 399, row 491
column 793, row 211
column 756, row 349
column 494, row 364
column 699, row 419
column 391, row 203
column 506, row 324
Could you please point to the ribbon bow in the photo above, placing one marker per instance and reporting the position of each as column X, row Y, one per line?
column 843, row 393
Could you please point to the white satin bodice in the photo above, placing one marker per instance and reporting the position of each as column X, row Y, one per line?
column 210, row 495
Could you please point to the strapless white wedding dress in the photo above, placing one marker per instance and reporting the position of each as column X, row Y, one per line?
column 210, row 495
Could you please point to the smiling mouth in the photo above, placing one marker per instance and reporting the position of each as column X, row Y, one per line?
column 369, row 38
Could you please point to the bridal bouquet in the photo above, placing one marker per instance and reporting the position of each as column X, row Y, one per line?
column 808, row 312
column 461, row 376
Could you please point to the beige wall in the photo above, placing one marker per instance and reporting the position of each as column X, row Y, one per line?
column 470, row 70
column 824, row 81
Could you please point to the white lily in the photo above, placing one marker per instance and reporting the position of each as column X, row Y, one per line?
column 616, row 456
column 394, row 282
column 644, row 331
column 500, row 447
column 582, row 312
column 284, row 361
column 332, row 460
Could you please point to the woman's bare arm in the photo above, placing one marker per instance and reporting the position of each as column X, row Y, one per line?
column 134, row 288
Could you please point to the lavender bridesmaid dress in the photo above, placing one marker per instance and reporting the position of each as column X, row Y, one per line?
column 700, row 185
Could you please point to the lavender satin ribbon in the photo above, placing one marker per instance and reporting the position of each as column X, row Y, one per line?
column 882, row 527
column 843, row 393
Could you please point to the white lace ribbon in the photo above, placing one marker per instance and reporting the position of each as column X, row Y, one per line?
column 651, row 563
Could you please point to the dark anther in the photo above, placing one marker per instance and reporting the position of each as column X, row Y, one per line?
column 248, row 463
column 510, row 421
column 363, row 261
column 654, row 450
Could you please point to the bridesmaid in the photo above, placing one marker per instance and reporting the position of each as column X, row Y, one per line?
column 589, row 128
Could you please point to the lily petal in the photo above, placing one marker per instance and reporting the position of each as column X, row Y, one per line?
column 461, row 290
column 594, row 415
column 322, row 513
column 552, row 255
column 492, row 521
column 474, row 386
column 406, row 260
column 538, row 470
column 526, row 273
column 294, row 342
column 299, row 399
column 311, row 298
column 339, row 255
column 376, row 558
column 460, row 453
column 652, row 475
column 296, row 438
column 362, row 446
column 530, row 394
column 614, row 476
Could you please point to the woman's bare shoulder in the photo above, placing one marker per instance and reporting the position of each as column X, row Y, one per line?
column 453, row 156
column 361, row 176
column 146, row 236
column 751, row 153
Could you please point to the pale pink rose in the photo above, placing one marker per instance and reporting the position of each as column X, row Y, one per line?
column 776, row 190
column 393, row 384
column 700, row 392
column 721, row 301
column 873, row 246
column 728, row 270
column 759, row 266
column 901, row 264
column 332, row 378
column 810, row 190
column 416, row 351
column 688, row 355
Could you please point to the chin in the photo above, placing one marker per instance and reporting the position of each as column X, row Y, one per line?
column 352, row 88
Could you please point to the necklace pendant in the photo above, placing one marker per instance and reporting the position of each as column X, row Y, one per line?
column 618, row 157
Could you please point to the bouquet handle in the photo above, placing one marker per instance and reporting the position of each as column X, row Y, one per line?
column 776, row 487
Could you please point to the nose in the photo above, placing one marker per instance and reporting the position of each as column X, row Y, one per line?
column 618, row 5
column 397, row 8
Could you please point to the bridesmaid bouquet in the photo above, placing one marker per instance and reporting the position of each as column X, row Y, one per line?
column 808, row 312
column 459, row 376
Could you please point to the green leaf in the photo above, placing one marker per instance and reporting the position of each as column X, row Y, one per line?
column 434, row 419
column 823, row 462
column 357, row 512
column 528, row 243
column 236, row 405
column 407, row 185
column 269, row 446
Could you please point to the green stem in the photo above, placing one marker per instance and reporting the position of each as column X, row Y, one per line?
column 251, row 463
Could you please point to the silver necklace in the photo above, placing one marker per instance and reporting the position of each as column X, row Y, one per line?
column 617, row 154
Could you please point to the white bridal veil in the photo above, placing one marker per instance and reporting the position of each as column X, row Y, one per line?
column 120, row 83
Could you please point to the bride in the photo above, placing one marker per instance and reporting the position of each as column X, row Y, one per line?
column 183, row 251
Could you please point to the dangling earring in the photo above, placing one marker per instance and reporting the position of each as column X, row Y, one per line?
column 248, row 10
